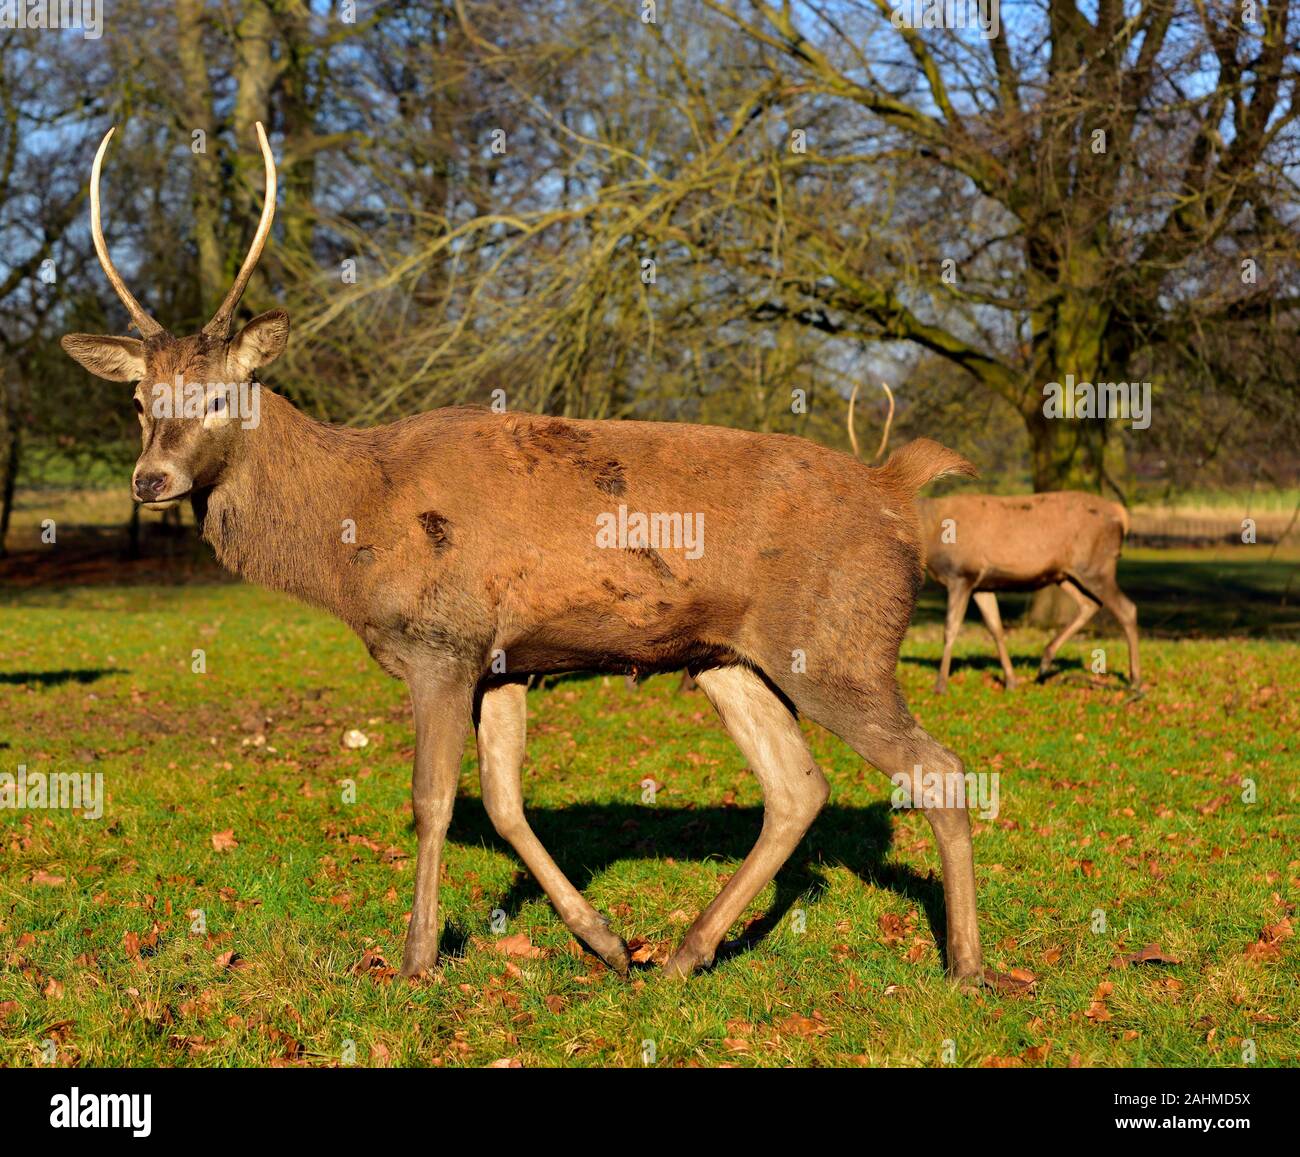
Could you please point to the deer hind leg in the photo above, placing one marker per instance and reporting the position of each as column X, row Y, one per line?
column 958, row 596
column 794, row 791
column 1087, row 608
column 441, row 706
column 501, row 724
column 987, row 602
column 1106, row 589
column 887, row 737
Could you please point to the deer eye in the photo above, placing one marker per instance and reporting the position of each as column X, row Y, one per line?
column 217, row 405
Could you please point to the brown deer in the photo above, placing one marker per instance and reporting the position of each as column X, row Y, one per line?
column 476, row 562
column 976, row 544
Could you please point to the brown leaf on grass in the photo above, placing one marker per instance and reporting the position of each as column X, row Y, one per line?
column 379, row 1056
column 291, row 1048
column 54, row 989
column 804, row 1026
column 642, row 951
column 193, row 1045
column 519, row 945
column 7, row 1009
column 1268, row 948
column 1051, row 955
column 45, row 880
column 374, row 965
column 1208, row 809
column 896, row 928
column 1151, row 954
column 131, row 943
column 225, row 841
column 505, row 1063
column 231, row 960
column 1036, row 1054
column 1002, row 1063
column 1097, row 1011
column 556, row 1004
column 1017, row 982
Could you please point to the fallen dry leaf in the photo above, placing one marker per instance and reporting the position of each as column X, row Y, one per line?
column 1097, row 1011
column 519, row 945
column 1151, row 954
column 804, row 1026
column 224, row 841
column 1017, row 982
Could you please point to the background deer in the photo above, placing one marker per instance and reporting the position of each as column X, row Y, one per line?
column 475, row 539
column 976, row 544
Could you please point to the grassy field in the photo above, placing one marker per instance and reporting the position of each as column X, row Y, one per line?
column 224, row 797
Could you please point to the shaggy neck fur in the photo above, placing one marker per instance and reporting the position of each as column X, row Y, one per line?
column 277, row 514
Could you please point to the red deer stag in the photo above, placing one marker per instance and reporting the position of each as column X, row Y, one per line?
column 477, row 546
column 976, row 544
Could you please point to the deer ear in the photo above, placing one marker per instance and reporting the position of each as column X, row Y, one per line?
column 259, row 343
column 119, row 359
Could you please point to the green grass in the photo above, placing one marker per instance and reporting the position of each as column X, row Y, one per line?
column 1132, row 808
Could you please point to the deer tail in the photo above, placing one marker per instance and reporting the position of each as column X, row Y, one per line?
column 922, row 461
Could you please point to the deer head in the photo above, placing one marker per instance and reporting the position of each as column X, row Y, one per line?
column 187, row 388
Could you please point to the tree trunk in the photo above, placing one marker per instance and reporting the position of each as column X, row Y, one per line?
column 197, row 113
column 13, row 455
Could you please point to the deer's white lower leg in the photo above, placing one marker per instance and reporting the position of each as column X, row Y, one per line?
column 502, row 728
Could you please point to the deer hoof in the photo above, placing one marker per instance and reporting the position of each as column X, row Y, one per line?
column 414, row 970
column 609, row 946
column 685, row 961
column 941, row 688
column 1012, row 684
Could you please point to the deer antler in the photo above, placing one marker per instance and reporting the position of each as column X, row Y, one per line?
column 142, row 321
column 889, row 421
column 219, row 326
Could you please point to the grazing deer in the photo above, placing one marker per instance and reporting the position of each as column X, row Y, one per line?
column 475, row 563
column 976, row 544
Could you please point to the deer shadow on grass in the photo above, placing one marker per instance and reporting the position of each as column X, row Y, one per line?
column 58, row 678
column 1020, row 662
column 586, row 839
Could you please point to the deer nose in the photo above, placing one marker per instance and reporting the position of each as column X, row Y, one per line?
column 149, row 486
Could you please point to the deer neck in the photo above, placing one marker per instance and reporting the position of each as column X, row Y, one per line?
column 281, row 513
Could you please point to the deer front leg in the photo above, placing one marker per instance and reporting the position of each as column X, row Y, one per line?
column 441, row 703
column 501, row 720
column 794, row 790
